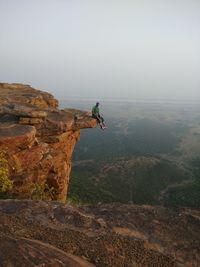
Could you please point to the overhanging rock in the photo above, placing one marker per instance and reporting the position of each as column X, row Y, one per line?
column 38, row 138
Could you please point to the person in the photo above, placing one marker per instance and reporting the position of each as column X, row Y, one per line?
column 97, row 116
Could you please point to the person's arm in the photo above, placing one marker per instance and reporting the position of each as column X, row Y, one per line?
column 97, row 111
column 93, row 110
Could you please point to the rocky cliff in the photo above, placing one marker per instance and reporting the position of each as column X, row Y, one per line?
column 36, row 233
column 38, row 138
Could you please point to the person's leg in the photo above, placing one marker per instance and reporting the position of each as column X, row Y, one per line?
column 102, row 119
column 97, row 118
column 101, row 122
column 103, row 125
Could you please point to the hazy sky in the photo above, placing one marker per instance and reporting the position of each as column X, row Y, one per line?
column 103, row 48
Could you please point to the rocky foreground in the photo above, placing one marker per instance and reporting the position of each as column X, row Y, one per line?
column 36, row 233
column 38, row 138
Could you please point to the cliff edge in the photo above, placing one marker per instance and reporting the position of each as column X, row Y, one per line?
column 38, row 138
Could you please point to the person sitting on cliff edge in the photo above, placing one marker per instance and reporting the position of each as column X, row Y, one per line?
column 98, row 117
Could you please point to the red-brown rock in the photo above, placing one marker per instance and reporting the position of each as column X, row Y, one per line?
column 109, row 235
column 22, row 252
column 39, row 138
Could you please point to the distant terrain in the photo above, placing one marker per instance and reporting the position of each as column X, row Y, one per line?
column 148, row 155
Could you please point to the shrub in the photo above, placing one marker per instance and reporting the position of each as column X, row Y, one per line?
column 6, row 184
column 42, row 191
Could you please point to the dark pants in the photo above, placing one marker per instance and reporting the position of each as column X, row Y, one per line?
column 98, row 118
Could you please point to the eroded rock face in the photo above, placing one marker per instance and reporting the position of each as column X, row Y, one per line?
column 38, row 137
column 109, row 235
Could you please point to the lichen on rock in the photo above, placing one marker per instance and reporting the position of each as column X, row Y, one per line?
column 39, row 138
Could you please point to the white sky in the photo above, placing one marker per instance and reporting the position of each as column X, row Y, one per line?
column 103, row 48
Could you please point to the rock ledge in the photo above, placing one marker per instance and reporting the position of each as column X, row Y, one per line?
column 38, row 137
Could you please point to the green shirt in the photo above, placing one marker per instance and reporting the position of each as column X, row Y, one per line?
column 95, row 111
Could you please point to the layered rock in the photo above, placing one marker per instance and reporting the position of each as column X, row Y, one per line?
column 38, row 138
column 106, row 235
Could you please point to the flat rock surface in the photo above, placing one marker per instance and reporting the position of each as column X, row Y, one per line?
column 22, row 252
column 23, row 101
column 106, row 235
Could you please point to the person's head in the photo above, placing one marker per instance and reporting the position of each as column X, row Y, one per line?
column 97, row 104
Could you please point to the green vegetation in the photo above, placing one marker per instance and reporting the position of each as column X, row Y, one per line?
column 83, row 187
column 117, row 181
column 141, row 137
column 41, row 191
column 139, row 130
column 187, row 195
column 6, row 184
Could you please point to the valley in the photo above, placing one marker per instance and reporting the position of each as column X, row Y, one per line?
column 146, row 156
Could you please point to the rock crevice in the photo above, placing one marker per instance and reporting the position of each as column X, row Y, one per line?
column 38, row 137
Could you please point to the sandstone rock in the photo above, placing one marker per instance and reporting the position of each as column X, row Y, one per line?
column 39, row 138
column 21, row 252
column 15, row 136
column 30, row 121
column 106, row 235
column 24, row 94
column 23, row 111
